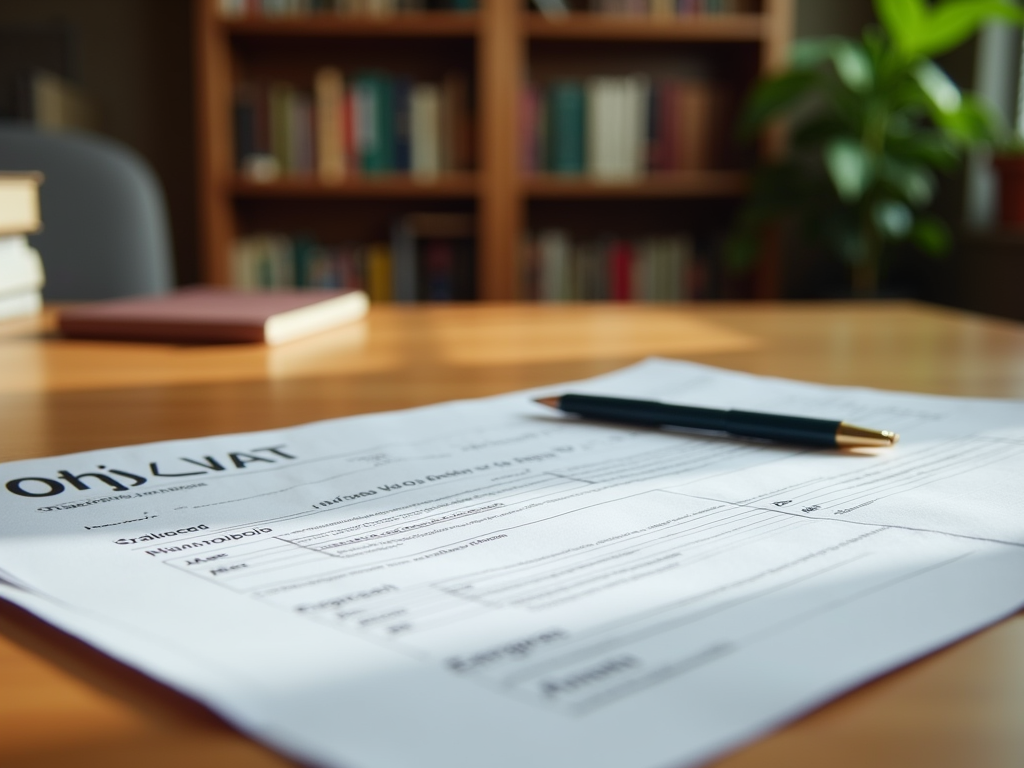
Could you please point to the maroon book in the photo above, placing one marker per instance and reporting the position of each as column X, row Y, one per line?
column 206, row 314
column 620, row 264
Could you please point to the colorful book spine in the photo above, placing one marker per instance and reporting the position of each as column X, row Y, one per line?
column 329, row 101
column 529, row 117
column 439, row 270
column 553, row 253
column 619, row 128
column 660, row 268
column 403, row 261
column 566, row 127
column 428, row 256
column 620, row 264
column 278, row 101
column 371, row 123
column 425, row 129
column 378, row 272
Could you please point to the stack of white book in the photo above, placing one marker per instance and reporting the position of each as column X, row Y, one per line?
column 21, row 269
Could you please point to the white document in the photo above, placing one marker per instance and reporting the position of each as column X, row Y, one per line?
column 488, row 583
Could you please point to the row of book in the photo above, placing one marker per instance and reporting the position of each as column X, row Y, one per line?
column 668, row 8
column 370, row 123
column 621, row 127
column 273, row 8
column 555, row 268
column 427, row 257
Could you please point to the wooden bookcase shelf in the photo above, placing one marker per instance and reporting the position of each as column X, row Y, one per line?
column 700, row 184
column 435, row 24
column 493, row 48
column 450, row 186
column 746, row 27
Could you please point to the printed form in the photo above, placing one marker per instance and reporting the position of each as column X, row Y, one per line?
column 489, row 583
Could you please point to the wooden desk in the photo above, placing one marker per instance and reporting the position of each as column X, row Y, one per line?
column 62, row 704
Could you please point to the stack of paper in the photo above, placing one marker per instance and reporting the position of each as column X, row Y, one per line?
column 481, row 583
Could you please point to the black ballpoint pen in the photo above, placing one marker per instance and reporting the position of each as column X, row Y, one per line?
column 784, row 429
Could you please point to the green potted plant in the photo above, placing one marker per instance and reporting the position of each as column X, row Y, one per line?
column 872, row 122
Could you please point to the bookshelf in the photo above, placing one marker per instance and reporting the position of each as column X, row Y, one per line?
column 497, row 48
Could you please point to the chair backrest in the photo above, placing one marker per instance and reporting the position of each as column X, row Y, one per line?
column 105, row 231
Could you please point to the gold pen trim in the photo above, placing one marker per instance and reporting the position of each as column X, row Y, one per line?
column 852, row 436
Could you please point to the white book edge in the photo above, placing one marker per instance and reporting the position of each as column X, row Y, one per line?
column 315, row 318
column 21, row 271
column 20, row 304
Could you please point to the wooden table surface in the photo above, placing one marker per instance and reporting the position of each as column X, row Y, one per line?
column 63, row 704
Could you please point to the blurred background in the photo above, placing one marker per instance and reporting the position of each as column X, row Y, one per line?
column 437, row 151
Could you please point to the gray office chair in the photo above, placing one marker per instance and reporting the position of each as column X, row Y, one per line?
column 105, row 231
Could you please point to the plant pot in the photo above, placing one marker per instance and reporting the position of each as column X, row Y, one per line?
column 1011, row 190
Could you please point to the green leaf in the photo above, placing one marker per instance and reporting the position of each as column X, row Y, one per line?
column 972, row 123
column 893, row 218
column 918, row 187
column 818, row 130
column 854, row 67
column 929, row 147
column 940, row 90
column 772, row 96
column 953, row 21
column 810, row 52
column 914, row 182
column 931, row 235
column 850, row 59
column 918, row 30
column 849, row 167
column 903, row 21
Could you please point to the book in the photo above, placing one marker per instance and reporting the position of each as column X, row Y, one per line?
column 660, row 268
column 329, row 101
column 444, row 252
column 21, row 268
column 300, row 133
column 617, row 128
column 566, row 126
column 553, row 253
column 19, row 203
column 20, row 304
column 619, row 264
column 278, row 100
column 439, row 270
column 401, row 120
column 372, row 122
column 404, row 265
column 425, row 129
column 379, row 282
column 456, row 150
column 207, row 314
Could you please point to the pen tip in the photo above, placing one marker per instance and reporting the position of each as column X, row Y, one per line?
column 852, row 436
column 551, row 402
